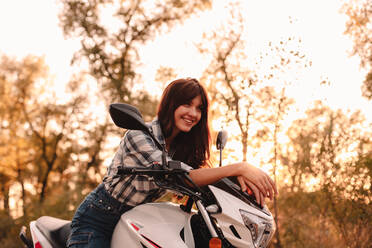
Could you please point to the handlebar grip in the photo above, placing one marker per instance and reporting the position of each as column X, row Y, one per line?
column 126, row 170
column 138, row 170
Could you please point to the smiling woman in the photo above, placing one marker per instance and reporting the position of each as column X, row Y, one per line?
column 184, row 105
column 182, row 127
column 187, row 115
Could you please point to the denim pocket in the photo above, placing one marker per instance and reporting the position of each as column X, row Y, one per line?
column 79, row 239
column 103, row 206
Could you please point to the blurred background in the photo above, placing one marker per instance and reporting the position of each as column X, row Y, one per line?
column 291, row 81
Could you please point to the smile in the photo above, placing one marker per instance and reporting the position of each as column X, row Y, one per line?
column 188, row 121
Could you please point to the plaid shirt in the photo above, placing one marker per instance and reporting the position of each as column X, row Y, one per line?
column 136, row 149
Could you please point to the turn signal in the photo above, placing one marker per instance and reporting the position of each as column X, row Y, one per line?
column 215, row 243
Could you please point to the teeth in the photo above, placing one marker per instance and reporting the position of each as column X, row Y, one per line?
column 188, row 121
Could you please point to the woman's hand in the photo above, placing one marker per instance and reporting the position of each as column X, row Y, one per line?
column 250, row 188
column 258, row 181
column 248, row 175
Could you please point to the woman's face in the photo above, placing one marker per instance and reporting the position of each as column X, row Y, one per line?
column 187, row 115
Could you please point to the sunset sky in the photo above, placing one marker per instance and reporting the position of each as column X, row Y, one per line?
column 31, row 27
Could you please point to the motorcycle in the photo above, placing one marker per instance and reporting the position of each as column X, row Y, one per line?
column 217, row 215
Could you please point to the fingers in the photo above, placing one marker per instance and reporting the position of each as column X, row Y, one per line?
column 256, row 191
column 242, row 183
column 259, row 178
column 272, row 187
column 269, row 188
column 261, row 190
column 264, row 185
column 260, row 196
column 251, row 187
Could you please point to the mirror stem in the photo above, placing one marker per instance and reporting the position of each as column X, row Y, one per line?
column 220, row 157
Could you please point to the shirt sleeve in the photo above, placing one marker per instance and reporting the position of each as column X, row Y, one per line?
column 137, row 149
column 140, row 150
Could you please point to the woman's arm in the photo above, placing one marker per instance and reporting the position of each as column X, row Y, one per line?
column 248, row 175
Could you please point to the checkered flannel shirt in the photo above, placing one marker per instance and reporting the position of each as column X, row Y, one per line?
column 136, row 149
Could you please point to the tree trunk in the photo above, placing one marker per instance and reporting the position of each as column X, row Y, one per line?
column 5, row 192
column 20, row 180
column 44, row 184
column 245, row 146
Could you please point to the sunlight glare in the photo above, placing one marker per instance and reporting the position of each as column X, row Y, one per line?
column 311, row 184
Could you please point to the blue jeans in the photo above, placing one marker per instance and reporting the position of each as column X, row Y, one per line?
column 95, row 219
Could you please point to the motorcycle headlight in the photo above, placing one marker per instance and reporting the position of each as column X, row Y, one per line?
column 261, row 229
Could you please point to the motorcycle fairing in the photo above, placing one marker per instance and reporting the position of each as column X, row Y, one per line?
column 153, row 223
column 231, row 223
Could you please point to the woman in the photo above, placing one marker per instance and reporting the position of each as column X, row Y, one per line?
column 182, row 127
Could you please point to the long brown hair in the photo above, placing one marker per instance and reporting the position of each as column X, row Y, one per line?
column 191, row 147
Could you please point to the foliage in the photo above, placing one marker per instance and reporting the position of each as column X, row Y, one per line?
column 112, row 48
column 358, row 27
column 39, row 141
column 232, row 86
column 332, row 150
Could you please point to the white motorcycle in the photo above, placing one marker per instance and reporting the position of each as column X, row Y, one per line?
column 217, row 215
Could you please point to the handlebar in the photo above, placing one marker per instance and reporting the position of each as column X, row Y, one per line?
column 177, row 172
column 165, row 178
column 149, row 171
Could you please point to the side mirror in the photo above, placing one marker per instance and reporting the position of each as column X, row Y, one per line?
column 221, row 142
column 129, row 117
column 221, row 139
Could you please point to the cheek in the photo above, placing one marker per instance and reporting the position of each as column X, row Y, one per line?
column 177, row 112
column 199, row 116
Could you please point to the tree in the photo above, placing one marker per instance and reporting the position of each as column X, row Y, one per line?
column 15, row 147
column 284, row 64
column 231, row 85
column 254, row 99
column 39, row 133
column 112, row 49
column 359, row 28
column 328, row 176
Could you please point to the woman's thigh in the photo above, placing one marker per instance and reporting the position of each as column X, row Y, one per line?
column 87, row 238
column 94, row 221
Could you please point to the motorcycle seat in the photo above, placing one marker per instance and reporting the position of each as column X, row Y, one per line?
column 55, row 230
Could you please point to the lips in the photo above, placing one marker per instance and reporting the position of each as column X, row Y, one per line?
column 188, row 121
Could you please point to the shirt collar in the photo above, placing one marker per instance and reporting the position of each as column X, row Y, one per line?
column 155, row 128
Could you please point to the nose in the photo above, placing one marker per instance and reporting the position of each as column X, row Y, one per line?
column 193, row 112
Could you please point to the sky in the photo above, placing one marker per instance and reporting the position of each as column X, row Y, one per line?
column 31, row 27
column 320, row 26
